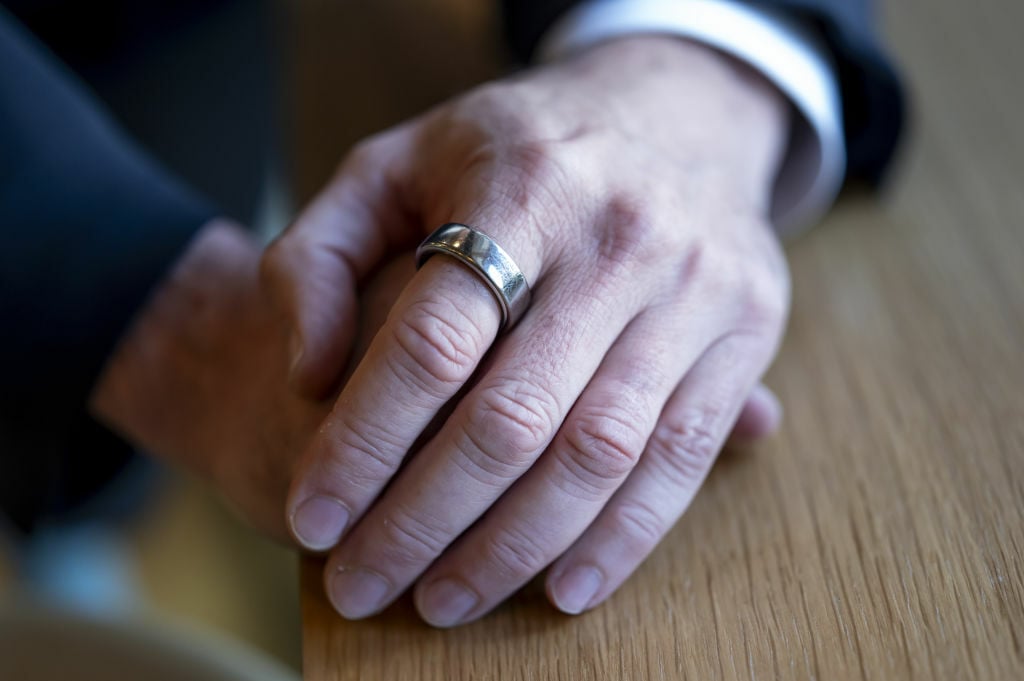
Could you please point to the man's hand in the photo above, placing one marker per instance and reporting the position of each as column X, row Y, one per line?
column 631, row 185
column 200, row 379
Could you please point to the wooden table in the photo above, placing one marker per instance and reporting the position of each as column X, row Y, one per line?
column 880, row 534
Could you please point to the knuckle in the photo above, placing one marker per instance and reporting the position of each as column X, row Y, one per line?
column 520, row 162
column 727, row 277
column 632, row 233
column 688, row 445
column 365, row 450
column 437, row 344
column 489, row 466
column 524, row 179
column 415, row 380
column 706, row 266
column 639, row 522
column 752, row 279
column 764, row 303
column 601, row 448
column 491, row 97
column 363, row 154
column 519, row 417
column 515, row 553
column 538, row 161
column 508, row 108
column 409, row 539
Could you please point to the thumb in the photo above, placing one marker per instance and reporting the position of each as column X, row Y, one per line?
column 313, row 269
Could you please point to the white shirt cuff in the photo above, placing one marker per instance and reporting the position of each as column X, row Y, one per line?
column 786, row 53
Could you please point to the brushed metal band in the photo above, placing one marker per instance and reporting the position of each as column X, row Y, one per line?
column 484, row 256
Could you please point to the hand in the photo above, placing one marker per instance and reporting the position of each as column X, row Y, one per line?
column 631, row 185
column 201, row 377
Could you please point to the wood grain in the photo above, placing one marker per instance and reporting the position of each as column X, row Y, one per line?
column 880, row 534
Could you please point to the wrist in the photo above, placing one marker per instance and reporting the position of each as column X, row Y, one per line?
column 140, row 390
column 690, row 100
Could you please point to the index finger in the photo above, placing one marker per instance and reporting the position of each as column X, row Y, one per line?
column 435, row 336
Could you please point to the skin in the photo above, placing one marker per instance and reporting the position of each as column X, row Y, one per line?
column 201, row 377
column 631, row 184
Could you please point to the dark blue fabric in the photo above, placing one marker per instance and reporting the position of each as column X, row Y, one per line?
column 194, row 81
column 89, row 224
column 873, row 102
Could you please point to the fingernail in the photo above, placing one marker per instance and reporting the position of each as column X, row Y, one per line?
column 577, row 588
column 446, row 602
column 319, row 521
column 356, row 593
column 295, row 351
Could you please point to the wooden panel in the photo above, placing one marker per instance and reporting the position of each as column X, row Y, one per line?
column 880, row 534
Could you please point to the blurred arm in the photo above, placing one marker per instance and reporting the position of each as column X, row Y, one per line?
column 90, row 224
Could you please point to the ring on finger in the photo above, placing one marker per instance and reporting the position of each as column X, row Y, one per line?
column 487, row 259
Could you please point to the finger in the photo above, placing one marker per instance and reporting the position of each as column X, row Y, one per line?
column 495, row 434
column 380, row 295
column 426, row 350
column 311, row 271
column 761, row 415
column 689, row 435
column 553, row 504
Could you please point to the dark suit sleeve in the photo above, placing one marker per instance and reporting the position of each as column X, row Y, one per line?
column 89, row 224
column 873, row 104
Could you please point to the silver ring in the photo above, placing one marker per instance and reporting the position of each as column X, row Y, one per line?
column 485, row 257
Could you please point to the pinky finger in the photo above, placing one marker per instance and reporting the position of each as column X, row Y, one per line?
column 691, row 430
column 760, row 416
